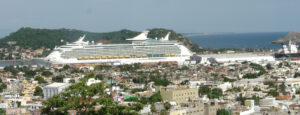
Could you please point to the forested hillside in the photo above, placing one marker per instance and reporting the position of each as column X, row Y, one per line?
column 49, row 38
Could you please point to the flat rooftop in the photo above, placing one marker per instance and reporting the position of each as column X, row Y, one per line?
column 57, row 84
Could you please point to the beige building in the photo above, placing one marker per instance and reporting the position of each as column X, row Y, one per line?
column 178, row 111
column 178, row 95
column 196, row 107
column 28, row 88
column 248, row 103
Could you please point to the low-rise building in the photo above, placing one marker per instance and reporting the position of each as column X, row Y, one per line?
column 92, row 81
column 178, row 111
column 196, row 107
column 267, row 102
column 53, row 89
column 178, row 95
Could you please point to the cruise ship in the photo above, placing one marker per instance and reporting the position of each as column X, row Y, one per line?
column 141, row 49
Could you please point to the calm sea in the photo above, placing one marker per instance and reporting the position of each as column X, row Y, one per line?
column 239, row 40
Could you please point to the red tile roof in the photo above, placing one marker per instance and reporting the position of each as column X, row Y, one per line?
column 283, row 97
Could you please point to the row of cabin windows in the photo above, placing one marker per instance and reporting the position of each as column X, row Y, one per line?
column 182, row 94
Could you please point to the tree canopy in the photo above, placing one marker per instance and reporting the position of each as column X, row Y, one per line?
column 38, row 91
column 211, row 93
column 59, row 78
column 40, row 79
column 222, row 112
column 79, row 97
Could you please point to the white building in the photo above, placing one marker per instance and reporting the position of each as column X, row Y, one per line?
column 240, row 57
column 293, row 82
column 66, row 80
column 290, row 48
column 251, row 110
column 54, row 88
column 92, row 81
column 196, row 84
column 146, row 110
column 225, row 86
column 268, row 102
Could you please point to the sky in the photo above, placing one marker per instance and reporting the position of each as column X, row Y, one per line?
column 183, row 16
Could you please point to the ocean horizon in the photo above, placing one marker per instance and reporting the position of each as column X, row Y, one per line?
column 238, row 40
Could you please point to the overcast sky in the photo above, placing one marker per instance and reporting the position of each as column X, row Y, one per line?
column 184, row 16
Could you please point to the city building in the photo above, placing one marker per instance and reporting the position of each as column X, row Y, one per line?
column 178, row 95
column 196, row 106
column 92, row 81
column 53, row 89
column 239, row 57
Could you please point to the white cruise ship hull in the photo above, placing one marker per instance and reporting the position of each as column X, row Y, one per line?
column 121, row 61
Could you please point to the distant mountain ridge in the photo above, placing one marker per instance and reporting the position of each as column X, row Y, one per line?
column 293, row 36
column 49, row 38
column 205, row 33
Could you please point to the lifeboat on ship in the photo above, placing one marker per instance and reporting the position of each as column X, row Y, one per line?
column 86, row 58
column 138, row 56
column 79, row 58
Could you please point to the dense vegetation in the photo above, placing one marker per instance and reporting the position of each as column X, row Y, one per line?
column 40, row 79
column 211, row 93
column 59, row 78
column 2, row 86
column 2, row 111
column 242, row 99
column 250, row 75
column 235, row 89
column 27, row 72
column 38, row 91
column 49, row 38
column 273, row 93
column 257, row 67
column 226, row 79
column 222, row 112
column 297, row 74
column 83, row 101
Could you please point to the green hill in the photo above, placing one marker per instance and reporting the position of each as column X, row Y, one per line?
column 49, row 38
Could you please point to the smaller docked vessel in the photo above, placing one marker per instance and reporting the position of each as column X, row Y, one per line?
column 289, row 50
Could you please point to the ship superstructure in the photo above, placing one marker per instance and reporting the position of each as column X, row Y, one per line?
column 289, row 50
column 141, row 50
